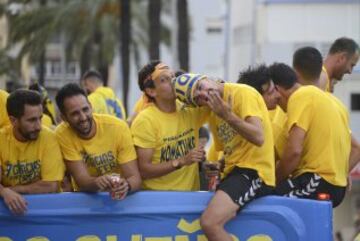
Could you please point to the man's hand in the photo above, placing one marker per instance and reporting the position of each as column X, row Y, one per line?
column 14, row 201
column 217, row 105
column 121, row 188
column 104, row 183
column 195, row 155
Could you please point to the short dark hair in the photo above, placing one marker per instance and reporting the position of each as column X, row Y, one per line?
column 67, row 91
column 93, row 74
column 255, row 77
column 16, row 101
column 282, row 75
column 344, row 44
column 308, row 61
column 144, row 73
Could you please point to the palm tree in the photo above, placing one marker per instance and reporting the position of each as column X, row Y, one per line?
column 183, row 34
column 154, row 10
column 89, row 29
column 125, row 36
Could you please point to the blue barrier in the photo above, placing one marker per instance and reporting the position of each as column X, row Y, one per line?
column 160, row 216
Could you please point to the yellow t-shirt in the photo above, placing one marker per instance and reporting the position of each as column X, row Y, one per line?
column 278, row 120
column 104, row 101
column 213, row 155
column 31, row 161
column 327, row 143
column 111, row 146
column 172, row 136
column 246, row 102
column 325, row 73
column 46, row 121
column 4, row 119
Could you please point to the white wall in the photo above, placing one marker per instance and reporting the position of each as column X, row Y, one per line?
column 207, row 49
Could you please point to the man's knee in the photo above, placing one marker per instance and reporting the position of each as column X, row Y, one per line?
column 210, row 221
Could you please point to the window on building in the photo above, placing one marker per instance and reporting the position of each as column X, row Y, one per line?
column 214, row 25
column 55, row 68
column 71, row 68
column 355, row 102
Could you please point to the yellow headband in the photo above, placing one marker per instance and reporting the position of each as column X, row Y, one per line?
column 159, row 69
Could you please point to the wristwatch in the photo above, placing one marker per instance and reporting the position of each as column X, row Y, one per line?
column 176, row 164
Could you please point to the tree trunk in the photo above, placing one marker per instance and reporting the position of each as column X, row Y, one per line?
column 154, row 11
column 85, row 58
column 42, row 58
column 125, row 38
column 183, row 34
column 42, row 63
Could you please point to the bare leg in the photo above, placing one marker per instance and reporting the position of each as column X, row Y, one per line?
column 219, row 211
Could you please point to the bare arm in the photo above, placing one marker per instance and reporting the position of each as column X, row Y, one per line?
column 150, row 170
column 132, row 174
column 37, row 187
column 354, row 154
column 86, row 182
column 250, row 128
column 14, row 201
column 292, row 154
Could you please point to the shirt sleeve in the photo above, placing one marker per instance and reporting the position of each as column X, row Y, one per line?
column 144, row 133
column 299, row 111
column 68, row 151
column 250, row 104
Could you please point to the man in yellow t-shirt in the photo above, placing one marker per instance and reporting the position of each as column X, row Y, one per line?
column 241, row 128
column 342, row 57
column 166, row 134
column 307, row 62
column 30, row 156
column 102, row 99
column 4, row 119
column 318, row 147
column 95, row 146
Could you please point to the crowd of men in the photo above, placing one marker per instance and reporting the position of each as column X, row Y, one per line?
column 279, row 129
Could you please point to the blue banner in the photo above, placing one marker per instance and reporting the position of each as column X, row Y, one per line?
column 160, row 216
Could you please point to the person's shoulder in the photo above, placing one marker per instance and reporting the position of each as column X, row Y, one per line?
column 6, row 131
column 109, row 121
column 62, row 129
column 242, row 89
column 47, row 133
column 308, row 91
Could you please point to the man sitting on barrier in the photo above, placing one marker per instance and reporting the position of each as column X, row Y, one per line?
column 307, row 62
column 30, row 156
column 95, row 146
column 318, row 147
column 166, row 134
column 241, row 127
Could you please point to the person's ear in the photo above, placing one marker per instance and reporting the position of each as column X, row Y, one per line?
column 13, row 120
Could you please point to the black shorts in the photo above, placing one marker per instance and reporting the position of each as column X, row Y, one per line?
column 309, row 186
column 244, row 185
